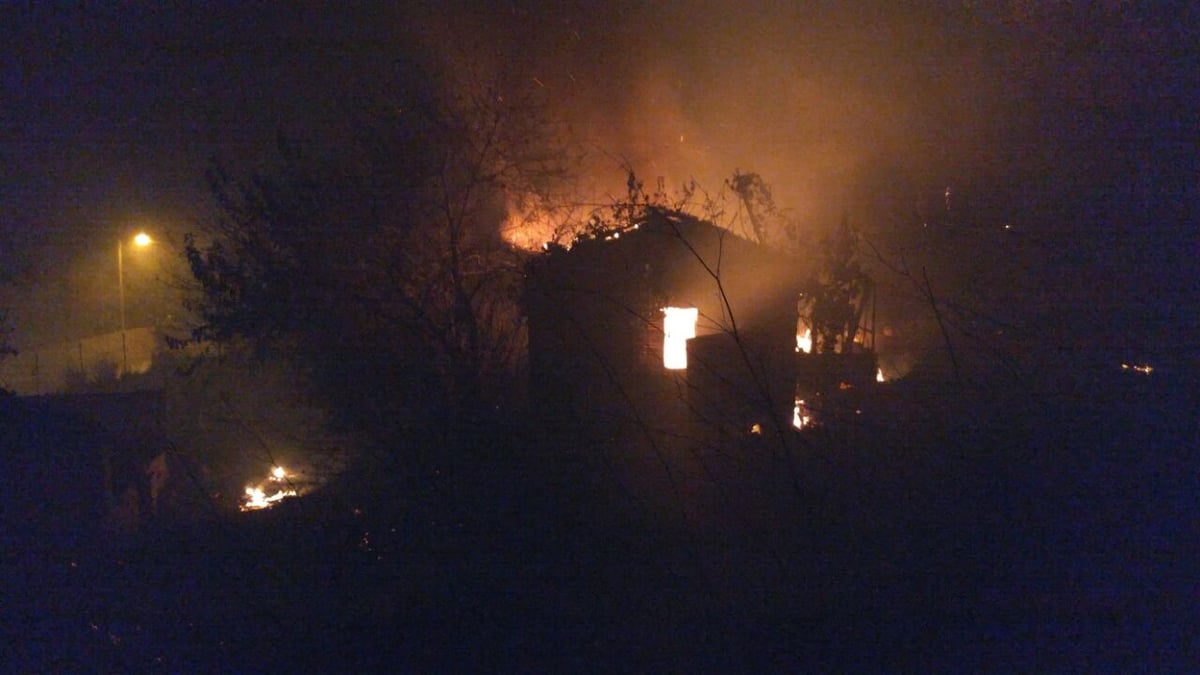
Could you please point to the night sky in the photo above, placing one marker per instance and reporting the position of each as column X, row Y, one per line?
column 1075, row 124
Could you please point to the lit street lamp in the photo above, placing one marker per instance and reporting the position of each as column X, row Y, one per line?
column 140, row 240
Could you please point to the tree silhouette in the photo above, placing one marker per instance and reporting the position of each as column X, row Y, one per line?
column 835, row 298
column 379, row 268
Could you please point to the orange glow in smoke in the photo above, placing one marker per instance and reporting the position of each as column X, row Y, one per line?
column 529, row 226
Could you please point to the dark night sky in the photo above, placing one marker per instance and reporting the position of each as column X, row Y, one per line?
column 1079, row 123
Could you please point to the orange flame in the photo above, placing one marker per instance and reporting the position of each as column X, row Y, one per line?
column 256, row 497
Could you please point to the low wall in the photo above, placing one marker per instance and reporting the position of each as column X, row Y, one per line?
column 48, row 369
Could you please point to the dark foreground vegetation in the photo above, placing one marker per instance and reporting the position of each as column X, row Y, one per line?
column 1031, row 509
column 954, row 528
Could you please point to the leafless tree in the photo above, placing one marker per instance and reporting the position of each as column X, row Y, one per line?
column 380, row 266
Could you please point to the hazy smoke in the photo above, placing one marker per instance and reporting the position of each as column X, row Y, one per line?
column 867, row 107
column 1056, row 115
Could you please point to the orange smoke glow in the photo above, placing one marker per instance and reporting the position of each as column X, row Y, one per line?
column 526, row 234
column 530, row 226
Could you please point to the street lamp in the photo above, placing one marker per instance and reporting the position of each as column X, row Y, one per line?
column 140, row 240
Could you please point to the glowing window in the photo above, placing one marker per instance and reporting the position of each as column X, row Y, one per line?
column 679, row 326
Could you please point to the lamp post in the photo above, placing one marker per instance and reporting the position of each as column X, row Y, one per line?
column 141, row 240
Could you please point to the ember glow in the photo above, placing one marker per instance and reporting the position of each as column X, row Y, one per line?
column 1143, row 368
column 801, row 415
column 256, row 497
column 679, row 326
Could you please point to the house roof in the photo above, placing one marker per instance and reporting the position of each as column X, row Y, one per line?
column 669, row 258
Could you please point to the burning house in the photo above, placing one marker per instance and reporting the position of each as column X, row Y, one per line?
column 670, row 321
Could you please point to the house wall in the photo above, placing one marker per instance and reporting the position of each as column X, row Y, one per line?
column 595, row 316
